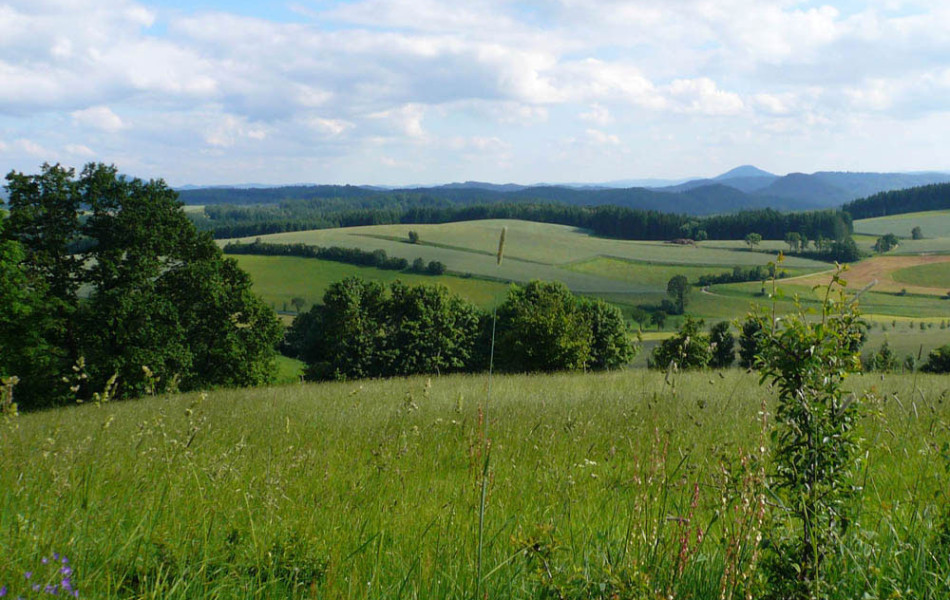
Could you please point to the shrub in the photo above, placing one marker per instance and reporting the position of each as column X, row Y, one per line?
column 814, row 441
column 722, row 344
column 688, row 349
column 938, row 361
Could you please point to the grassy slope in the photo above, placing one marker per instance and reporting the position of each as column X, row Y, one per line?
column 532, row 251
column 278, row 279
column 370, row 489
column 935, row 226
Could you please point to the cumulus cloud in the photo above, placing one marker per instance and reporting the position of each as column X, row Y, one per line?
column 99, row 117
column 413, row 74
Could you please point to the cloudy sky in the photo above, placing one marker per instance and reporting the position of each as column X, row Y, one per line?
column 427, row 91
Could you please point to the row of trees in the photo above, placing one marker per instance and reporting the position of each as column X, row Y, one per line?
column 927, row 197
column 149, row 300
column 365, row 329
column 353, row 256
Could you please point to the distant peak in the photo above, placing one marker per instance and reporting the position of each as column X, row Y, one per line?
column 745, row 171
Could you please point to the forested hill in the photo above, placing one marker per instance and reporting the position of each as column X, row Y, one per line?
column 743, row 188
column 704, row 200
column 928, row 197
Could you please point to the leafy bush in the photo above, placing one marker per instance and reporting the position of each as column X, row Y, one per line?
column 938, row 361
column 688, row 349
column 722, row 345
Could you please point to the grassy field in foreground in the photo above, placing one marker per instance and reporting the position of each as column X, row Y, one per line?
column 371, row 490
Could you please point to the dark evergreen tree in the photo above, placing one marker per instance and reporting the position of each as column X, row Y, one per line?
column 722, row 344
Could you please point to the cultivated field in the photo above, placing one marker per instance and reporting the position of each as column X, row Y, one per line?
column 628, row 484
column 532, row 251
column 935, row 226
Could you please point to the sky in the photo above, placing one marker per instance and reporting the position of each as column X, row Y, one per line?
column 396, row 92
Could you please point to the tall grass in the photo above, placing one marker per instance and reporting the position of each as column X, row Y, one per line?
column 601, row 485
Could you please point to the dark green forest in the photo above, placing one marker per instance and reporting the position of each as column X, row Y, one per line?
column 928, row 197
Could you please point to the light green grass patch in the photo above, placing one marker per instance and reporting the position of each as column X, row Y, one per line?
column 933, row 224
column 929, row 275
column 279, row 279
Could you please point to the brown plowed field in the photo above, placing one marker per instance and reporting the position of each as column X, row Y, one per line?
column 880, row 268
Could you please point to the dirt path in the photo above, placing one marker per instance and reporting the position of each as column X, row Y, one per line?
column 880, row 268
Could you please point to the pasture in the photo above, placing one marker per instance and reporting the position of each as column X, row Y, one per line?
column 935, row 226
column 627, row 483
column 280, row 279
column 532, row 251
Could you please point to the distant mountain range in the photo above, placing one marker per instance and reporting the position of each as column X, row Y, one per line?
column 745, row 187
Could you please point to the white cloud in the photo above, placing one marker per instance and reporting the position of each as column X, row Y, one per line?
column 418, row 76
column 601, row 138
column 99, row 117
column 704, row 97
column 598, row 115
column 80, row 151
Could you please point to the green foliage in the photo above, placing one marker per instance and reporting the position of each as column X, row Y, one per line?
column 814, row 441
column 541, row 327
column 658, row 318
column 364, row 330
column 162, row 302
column 917, row 233
column 884, row 360
column 750, row 339
column 413, row 237
column 678, row 290
column 722, row 344
column 610, row 346
column 886, row 243
column 938, row 361
column 688, row 349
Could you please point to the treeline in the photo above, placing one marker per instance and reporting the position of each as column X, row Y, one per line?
column 609, row 221
column 917, row 199
column 353, row 256
column 152, row 303
column 741, row 275
column 365, row 329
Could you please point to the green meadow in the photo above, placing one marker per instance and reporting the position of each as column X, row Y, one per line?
column 280, row 279
column 630, row 484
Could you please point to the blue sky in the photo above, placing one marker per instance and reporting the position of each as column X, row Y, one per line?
column 428, row 91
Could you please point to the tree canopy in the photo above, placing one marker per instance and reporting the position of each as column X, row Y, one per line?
column 119, row 284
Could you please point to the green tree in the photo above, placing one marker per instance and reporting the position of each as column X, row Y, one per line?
column 688, row 349
column 418, row 265
column 540, row 327
column 917, row 233
column 750, row 340
column 350, row 331
column 884, row 359
column 428, row 330
column 677, row 288
column 640, row 316
column 722, row 344
column 794, row 241
column 886, row 243
column 139, row 246
column 658, row 318
column 413, row 237
column 753, row 240
column 610, row 346
column 938, row 361
column 44, row 224
column 814, row 440
column 435, row 267
column 298, row 303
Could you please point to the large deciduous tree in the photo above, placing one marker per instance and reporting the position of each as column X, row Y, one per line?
column 123, row 281
column 677, row 288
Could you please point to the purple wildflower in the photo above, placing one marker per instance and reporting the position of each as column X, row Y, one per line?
column 28, row 574
column 44, row 560
column 3, row 591
column 36, row 587
column 67, row 571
